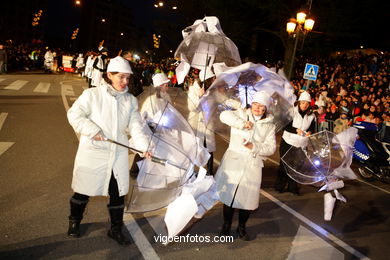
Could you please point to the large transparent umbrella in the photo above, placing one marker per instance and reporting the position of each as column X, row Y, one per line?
column 324, row 157
column 160, row 181
column 236, row 87
column 205, row 44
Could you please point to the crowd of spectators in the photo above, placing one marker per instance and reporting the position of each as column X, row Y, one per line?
column 348, row 89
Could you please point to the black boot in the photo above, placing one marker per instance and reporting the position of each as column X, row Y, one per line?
column 281, row 181
column 241, row 230
column 293, row 187
column 243, row 216
column 116, row 215
column 227, row 220
column 77, row 208
column 225, row 231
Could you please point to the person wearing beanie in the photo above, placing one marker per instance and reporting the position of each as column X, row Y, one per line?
column 99, row 67
column 157, row 101
column 101, row 167
column 238, row 179
column 302, row 125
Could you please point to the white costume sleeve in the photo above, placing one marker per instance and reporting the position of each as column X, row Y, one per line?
column 267, row 147
column 136, row 128
column 232, row 118
column 78, row 116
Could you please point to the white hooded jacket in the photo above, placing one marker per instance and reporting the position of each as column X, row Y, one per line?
column 98, row 110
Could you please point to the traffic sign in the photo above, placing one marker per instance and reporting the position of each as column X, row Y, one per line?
column 311, row 71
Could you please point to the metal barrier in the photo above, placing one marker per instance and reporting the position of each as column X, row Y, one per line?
column 325, row 125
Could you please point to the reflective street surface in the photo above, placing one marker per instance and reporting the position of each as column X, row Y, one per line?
column 37, row 150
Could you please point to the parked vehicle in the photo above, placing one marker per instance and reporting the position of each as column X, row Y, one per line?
column 372, row 151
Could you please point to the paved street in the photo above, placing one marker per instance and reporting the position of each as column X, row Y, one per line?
column 37, row 150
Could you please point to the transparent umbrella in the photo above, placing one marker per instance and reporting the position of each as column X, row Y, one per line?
column 324, row 158
column 160, row 181
column 205, row 44
column 235, row 88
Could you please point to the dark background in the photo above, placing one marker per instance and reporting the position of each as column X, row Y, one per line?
column 256, row 26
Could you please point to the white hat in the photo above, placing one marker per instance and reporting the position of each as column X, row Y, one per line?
column 263, row 98
column 209, row 74
column 159, row 79
column 119, row 64
column 305, row 96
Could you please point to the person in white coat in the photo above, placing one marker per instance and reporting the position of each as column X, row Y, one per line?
column 238, row 179
column 156, row 102
column 49, row 59
column 99, row 67
column 153, row 104
column 294, row 134
column 195, row 117
column 101, row 168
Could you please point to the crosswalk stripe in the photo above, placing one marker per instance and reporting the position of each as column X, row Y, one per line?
column 16, row 85
column 4, row 146
column 3, row 116
column 42, row 87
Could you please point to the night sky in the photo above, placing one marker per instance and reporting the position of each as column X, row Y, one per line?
column 347, row 23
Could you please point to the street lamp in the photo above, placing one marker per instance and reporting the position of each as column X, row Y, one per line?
column 298, row 28
column 103, row 20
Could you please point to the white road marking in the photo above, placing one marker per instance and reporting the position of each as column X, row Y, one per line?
column 4, row 146
column 139, row 238
column 314, row 226
column 68, row 90
column 64, row 91
column 42, row 87
column 372, row 185
column 307, row 245
column 3, row 116
column 16, row 85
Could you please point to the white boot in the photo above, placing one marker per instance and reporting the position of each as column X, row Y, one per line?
column 329, row 202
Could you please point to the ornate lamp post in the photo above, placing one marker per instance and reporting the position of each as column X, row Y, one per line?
column 298, row 29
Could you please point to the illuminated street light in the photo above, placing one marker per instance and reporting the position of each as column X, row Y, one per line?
column 174, row 7
column 170, row 51
column 298, row 28
column 161, row 4
column 103, row 20
column 78, row 2
column 156, row 5
column 122, row 33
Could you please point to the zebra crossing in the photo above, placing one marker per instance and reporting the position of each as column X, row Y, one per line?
column 42, row 87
